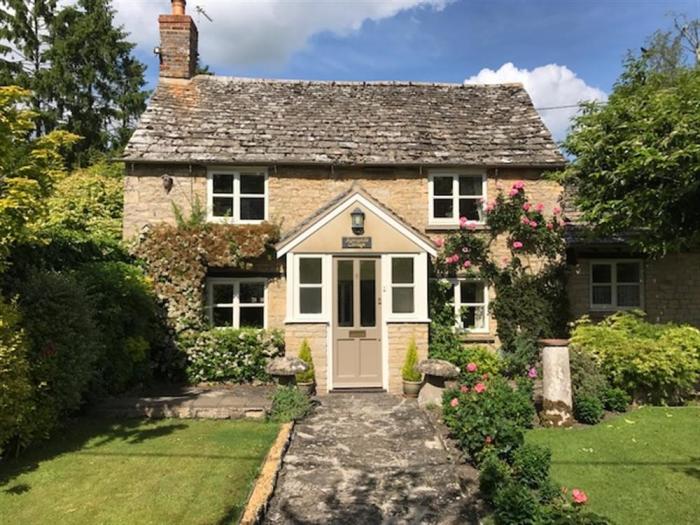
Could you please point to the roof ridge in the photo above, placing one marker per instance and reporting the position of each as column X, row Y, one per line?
column 393, row 83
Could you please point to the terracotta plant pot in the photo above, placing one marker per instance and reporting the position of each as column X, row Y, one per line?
column 307, row 388
column 411, row 388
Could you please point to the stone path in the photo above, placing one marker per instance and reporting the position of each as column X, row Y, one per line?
column 366, row 459
column 222, row 402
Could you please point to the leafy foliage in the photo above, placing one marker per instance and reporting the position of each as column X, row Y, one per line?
column 289, row 404
column 531, row 465
column 15, row 386
column 409, row 371
column 177, row 259
column 588, row 409
column 636, row 160
column 658, row 363
column 229, row 354
column 305, row 355
column 615, row 399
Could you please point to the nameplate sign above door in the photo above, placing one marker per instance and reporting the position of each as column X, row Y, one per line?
column 357, row 242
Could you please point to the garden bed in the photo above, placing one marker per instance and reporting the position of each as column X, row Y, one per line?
column 130, row 471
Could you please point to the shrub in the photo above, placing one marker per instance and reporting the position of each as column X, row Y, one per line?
column 522, row 355
column 409, row 371
column 586, row 377
column 493, row 473
column 588, row 409
column 515, row 503
column 305, row 355
column 488, row 413
column 64, row 346
column 615, row 399
column 289, row 404
column 229, row 354
column 652, row 362
column 531, row 465
column 15, row 386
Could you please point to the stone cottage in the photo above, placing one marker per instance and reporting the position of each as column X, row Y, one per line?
column 361, row 177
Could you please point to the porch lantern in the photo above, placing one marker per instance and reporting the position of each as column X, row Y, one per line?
column 358, row 221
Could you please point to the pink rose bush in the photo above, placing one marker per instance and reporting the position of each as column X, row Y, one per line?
column 471, row 367
column 579, row 497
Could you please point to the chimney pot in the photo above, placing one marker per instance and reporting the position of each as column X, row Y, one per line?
column 179, row 7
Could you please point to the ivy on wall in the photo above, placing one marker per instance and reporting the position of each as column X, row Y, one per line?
column 177, row 259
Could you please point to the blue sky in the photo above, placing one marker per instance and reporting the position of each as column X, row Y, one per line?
column 563, row 50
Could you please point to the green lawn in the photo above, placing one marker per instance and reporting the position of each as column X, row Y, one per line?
column 640, row 467
column 130, row 471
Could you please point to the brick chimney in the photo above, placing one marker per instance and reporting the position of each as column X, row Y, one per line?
column 178, row 43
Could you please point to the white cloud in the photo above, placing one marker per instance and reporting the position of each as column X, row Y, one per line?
column 550, row 85
column 259, row 31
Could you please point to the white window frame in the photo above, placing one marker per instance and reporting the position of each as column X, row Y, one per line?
column 455, row 174
column 236, row 305
column 613, row 284
column 413, row 285
column 456, row 287
column 236, row 195
column 295, row 280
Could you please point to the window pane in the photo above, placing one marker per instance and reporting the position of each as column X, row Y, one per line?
column 442, row 186
column 345, row 293
column 628, row 272
column 469, row 185
column 472, row 292
column 602, row 273
column 628, row 295
column 253, row 184
column 252, row 293
column 368, row 303
column 470, row 208
column 473, row 317
column 222, row 293
column 402, row 270
column 223, row 183
column 310, row 300
column 252, row 209
column 602, row 295
column 402, row 300
column 252, row 317
column 310, row 270
column 223, row 207
column 443, row 208
column 222, row 316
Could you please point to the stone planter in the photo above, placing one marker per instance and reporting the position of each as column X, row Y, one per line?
column 556, row 383
column 411, row 388
column 307, row 388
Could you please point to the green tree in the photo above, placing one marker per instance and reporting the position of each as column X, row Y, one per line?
column 96, row 85
column 636, row 166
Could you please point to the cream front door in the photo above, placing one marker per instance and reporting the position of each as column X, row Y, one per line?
column 357, row 354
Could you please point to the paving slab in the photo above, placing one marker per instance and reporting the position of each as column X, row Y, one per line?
column 366, row 459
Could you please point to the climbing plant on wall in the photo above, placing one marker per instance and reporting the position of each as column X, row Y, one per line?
column 520, row 254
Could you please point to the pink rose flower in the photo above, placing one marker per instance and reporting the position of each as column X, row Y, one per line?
column 550, row 226
column 526, row 206
column 479, row 388
column 540, row 207
column 467, row 264
column 439, row 242
column 471, row 367
column 463, row 222
column 532, row 373
column 454, row 402
column 556, row 210
column 519, row 185
column 517, row 245
column 533, row 224
column 464, row 389
column 579, row 496
column 513, row 192
column 525, row 220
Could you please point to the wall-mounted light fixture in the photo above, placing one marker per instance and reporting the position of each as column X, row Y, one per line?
column 167, row 182
column 358, row 221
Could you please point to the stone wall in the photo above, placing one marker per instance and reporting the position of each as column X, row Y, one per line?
column 316, row 335
column 671, row 289
column 400, row 335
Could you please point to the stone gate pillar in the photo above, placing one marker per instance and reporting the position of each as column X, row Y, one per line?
column 556, row 383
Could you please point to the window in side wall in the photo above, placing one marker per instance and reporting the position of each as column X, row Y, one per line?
column 310, row 285
column 471, row 303
column 455, row 195
column 236, row 303
column 616, row 285
column 237, row 196
column 403, row 285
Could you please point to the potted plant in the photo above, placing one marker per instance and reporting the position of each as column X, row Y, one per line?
column 410, row 374
column 305, row 380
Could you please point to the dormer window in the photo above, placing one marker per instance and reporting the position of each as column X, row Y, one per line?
column 237, row 196
column 455, row 194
